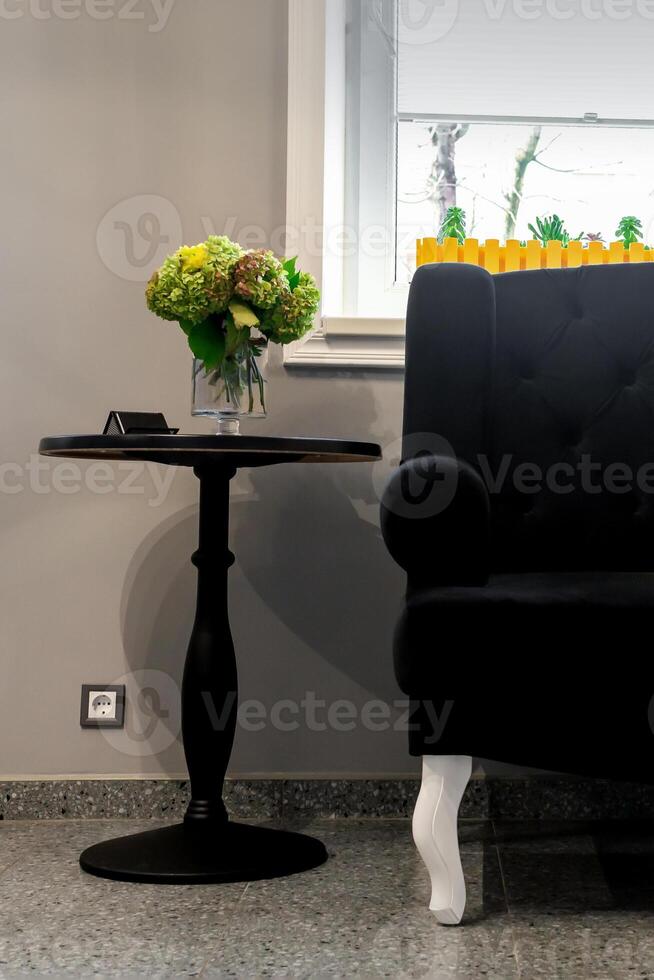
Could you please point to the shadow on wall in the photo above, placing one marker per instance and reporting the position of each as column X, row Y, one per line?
column 158, row 598
column 318, row 566
column 157, row 609
column 322, row 569
column 307, row 541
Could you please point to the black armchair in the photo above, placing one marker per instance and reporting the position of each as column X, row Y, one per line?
column 528, row 541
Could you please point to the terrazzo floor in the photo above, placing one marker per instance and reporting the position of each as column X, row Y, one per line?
column 545, row 900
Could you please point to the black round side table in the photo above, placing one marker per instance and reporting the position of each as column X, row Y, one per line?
column 207, row 847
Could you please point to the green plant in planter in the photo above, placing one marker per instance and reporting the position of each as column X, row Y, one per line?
column 550, row 228
column 453, row 226
column 629, row 230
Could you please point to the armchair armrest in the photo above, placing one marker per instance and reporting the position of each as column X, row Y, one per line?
column 435, row 519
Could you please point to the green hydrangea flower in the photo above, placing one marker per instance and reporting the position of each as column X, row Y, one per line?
column 223, row 258
column 260, row 279
column 195, row 282
column 219, row 293
column 295, row 313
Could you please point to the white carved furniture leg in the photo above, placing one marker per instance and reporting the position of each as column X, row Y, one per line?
column 435, row 831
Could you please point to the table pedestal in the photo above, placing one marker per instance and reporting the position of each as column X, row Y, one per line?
column 207, row 847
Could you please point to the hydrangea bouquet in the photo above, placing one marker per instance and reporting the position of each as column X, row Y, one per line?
column 230, row 303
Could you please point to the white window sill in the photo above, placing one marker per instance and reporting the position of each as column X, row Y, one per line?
column 351, row 342
column 359, row 326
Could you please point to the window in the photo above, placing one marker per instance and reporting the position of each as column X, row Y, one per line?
column 510, row 109
column 505, row 175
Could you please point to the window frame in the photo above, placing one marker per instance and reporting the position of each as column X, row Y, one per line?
column 370, row 287
column 316, row 147
column 317, row 122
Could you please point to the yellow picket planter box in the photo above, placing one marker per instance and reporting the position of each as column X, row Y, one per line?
column 513, row 257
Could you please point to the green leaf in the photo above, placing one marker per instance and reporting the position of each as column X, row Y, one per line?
column 258, row 346
column 453, row 226
column 550, row 228
column 207, row 341
column 186, row 325
column 244, row 316
column 292, row 274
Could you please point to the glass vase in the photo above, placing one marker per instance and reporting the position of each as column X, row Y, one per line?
column 236, row 390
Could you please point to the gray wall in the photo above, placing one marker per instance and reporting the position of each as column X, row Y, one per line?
column 104, row 114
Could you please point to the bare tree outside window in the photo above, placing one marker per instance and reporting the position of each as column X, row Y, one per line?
column 524, row 157
column 442, row 183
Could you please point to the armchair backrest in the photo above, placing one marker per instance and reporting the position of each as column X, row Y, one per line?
column 544, row 381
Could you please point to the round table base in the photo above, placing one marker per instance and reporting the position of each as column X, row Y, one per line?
column 181, row 856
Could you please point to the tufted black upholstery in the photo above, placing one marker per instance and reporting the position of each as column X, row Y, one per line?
column 574, row 378
column 542, row 383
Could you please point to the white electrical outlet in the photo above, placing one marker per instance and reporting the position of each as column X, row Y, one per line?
column 103, row 706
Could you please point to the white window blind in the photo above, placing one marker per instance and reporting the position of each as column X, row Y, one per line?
column 528, row 58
